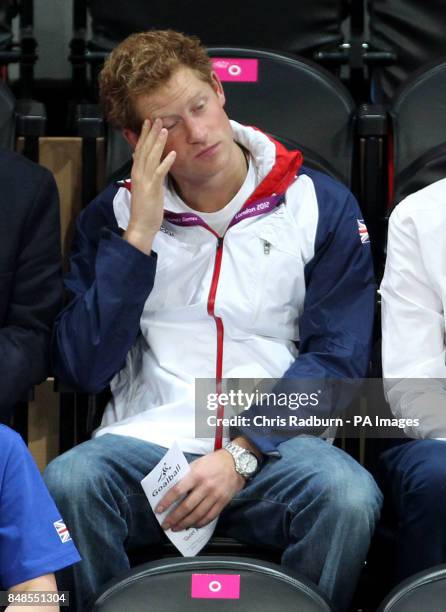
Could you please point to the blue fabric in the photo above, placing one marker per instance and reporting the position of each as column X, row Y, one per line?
column 315, row 504
column 29, row 543
column 109, row 282
column 337, row 322
column 414, row 482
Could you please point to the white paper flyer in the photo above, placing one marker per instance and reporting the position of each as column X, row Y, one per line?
column 172, row 468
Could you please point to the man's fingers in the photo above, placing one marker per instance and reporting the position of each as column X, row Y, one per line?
column 166, row 165
column 191, row 519
column 153, row 156
column 186, row 507
column 143, row 134
column 209, row 516
column 149, row 135
column 179, row 490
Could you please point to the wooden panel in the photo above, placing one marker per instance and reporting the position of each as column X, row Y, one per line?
column 63, row 156
column 43, row 424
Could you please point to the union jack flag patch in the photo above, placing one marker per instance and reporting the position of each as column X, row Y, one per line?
column 62, row 531
column 363, row 233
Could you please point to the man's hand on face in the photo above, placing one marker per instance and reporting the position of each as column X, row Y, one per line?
column 148, row 174
column 210, row 485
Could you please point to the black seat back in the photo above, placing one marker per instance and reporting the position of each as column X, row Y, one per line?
column 294, row 100
column 298, row 28
column 419, row 131
column 305, row 28
column 414, row 31
column 425, row 591
column 192, row 584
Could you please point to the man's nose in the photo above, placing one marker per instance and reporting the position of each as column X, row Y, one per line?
column 196, row 131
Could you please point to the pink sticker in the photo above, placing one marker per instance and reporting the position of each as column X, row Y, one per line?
column 215, row 586
column 234, row 69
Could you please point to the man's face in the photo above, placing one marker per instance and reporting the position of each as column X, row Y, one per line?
column 198, row 127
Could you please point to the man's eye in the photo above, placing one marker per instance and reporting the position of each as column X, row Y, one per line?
column 169, row 126
column 199, row 107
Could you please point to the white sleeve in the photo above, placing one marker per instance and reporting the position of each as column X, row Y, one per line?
column 413, row 329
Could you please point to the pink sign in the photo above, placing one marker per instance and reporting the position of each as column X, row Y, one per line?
column 215, row 586
column 234, row 69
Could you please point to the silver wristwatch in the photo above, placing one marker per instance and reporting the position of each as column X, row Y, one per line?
column 246, row 463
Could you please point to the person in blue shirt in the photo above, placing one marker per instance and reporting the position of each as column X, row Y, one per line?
column 34, row 541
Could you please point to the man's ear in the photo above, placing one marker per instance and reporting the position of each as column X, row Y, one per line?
column 218, row 88
column 131, row 137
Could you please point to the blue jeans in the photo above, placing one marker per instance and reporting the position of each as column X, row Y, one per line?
column 315, row 503
column 414, row 481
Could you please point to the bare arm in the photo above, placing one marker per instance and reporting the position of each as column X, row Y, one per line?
column 42, row 583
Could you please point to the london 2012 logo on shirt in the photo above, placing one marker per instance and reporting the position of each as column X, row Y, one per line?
column 62, row 531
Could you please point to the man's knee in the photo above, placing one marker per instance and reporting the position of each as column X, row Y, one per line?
column 74, row 475
column 350, row 493
column 334, row 478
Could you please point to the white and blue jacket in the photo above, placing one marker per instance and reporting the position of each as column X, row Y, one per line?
column 286, row 293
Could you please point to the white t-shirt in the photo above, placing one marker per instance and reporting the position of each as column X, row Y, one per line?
column 220, row 219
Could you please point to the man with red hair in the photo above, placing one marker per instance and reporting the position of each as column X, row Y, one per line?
column 217, row 258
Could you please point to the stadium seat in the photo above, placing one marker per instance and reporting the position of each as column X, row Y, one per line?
column 289, row 98
column 302, row 28
column 424, row 591
column 193, row 584
column 413, row 32
column 418, row 126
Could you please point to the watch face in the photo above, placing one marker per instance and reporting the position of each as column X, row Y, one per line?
column 247, row 463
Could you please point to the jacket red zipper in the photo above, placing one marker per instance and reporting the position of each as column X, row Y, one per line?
column 218, row 440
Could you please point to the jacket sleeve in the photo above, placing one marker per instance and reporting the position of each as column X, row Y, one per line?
column 109, row 282
column 35, row 292
column 336, row 324
column 337, row 321
column 413, row 333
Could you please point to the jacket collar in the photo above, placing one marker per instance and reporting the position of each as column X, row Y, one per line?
column 276, row 167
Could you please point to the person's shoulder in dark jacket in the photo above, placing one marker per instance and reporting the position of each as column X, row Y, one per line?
column 30, row 274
